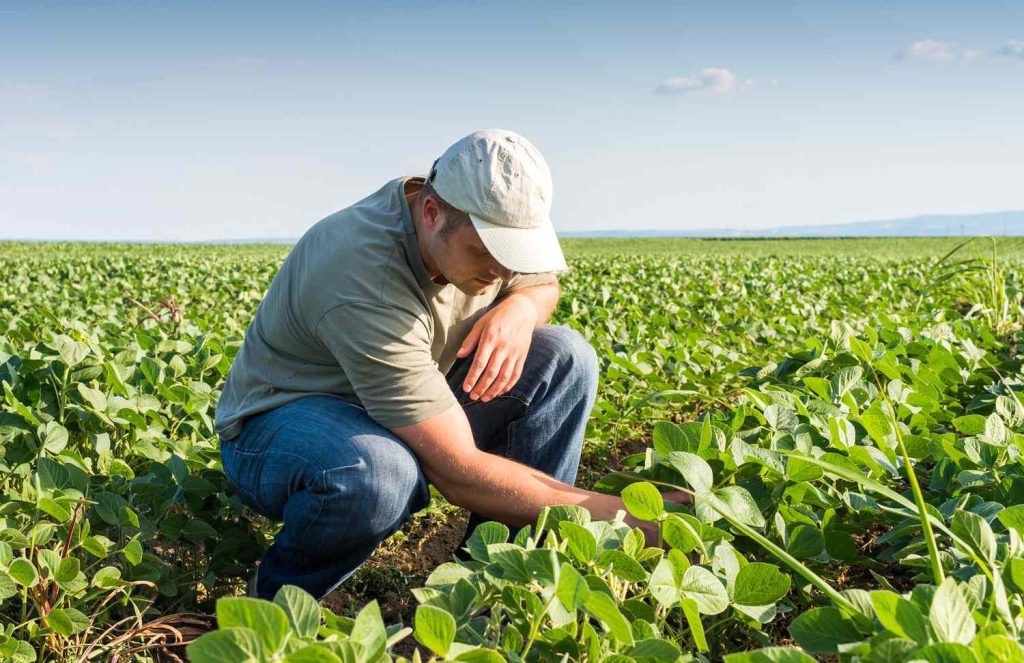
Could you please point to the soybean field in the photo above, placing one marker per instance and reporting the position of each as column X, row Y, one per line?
column 846, row 415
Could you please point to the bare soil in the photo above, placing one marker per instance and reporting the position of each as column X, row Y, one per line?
column 398, row 566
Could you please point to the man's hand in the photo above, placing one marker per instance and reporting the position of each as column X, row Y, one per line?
column 501, row 338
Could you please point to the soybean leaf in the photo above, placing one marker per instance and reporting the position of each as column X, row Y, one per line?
column 950, row 615
column 435, row 629
column 484, row 535
column 667, row 578
column 572, row 590
column 67, row 621
column 603, row 607
column 706, row 590
column 759, row 583
column 582, row 543
column 312, row 654
column 302, row 610
column 822, row 630
column 654, row 649
column 741, row 505
column 7, row 586
column 974, row 529
column 946, row 652
column 694, row 470
column 643, row 501
column 264, row 617
column 232, row 645
column 1013, row 517
column 668, row 438
column 368, row 631
column 680, row 533
column 805, row 541
column 900, row 616
column 770, row 655
column 24, row 572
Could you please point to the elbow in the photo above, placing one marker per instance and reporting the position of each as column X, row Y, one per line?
column 452, row 490
column 456, row 498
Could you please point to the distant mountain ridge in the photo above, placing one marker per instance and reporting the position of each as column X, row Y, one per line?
column 929, row 225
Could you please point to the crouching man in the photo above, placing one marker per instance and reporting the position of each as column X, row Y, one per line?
column 404, row 341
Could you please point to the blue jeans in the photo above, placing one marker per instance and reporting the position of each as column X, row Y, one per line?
column 342, row 483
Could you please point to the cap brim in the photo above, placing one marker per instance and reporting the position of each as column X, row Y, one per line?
column 523, row 250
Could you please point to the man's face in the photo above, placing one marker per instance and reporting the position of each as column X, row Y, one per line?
column 464, row 261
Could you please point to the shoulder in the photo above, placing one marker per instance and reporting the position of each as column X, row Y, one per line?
column 357, row 254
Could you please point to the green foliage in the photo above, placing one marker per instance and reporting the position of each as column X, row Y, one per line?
column 292, row 629
column 836, row 410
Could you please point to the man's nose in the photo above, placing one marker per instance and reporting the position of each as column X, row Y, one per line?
column 502, row 273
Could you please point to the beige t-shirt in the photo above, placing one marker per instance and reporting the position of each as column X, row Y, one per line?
column 352, row 313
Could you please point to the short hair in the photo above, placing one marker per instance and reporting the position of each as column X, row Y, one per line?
column 456, row 217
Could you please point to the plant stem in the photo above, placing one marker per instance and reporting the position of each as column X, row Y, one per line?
column 790, row 561
column 535, row 627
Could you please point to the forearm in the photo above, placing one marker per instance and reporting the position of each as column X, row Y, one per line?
column 544, row 299
column 494, row 486
column 513, row 493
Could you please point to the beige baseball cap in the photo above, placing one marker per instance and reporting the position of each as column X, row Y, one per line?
column 503, row 183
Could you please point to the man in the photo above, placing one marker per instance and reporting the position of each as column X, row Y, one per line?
column 404, row 341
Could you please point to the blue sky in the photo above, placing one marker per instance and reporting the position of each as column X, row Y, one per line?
column 195, row 121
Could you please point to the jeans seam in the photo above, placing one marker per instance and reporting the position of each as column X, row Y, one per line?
column 233, row 481
column 508, row 438
column 516, row 397
column 319, row 511
column 255, row 498
column 510, row 430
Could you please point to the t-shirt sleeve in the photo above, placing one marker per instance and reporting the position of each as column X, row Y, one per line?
column 525, row 281
column 385, row 354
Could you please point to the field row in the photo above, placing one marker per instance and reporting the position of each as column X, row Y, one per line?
column 783, row 383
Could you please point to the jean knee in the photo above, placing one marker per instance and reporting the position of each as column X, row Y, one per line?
column 378, row 497
column 573, row 352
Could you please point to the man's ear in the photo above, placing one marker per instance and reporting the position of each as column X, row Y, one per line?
column 433, row 213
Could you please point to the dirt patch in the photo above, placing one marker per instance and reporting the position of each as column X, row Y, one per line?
column 599, row 461
column 858, row 576
column 401, row 564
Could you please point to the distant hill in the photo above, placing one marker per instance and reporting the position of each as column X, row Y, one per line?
column 933, row 225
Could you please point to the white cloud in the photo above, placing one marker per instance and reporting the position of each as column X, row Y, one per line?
column 1013, row 48
column 712, row 79
column 937, row 51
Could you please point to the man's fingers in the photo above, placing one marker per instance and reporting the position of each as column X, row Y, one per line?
column 471, row 340
column 490, row 374
column 502, row 383
column 517, row 372
column 480, row 361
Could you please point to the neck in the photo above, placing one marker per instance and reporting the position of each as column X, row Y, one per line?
column 412, row 198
